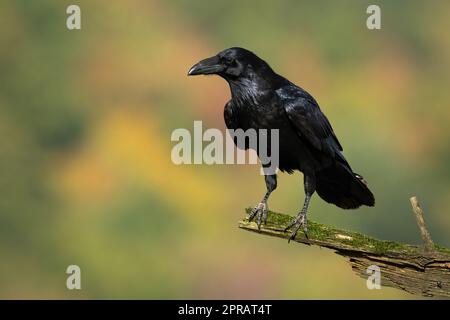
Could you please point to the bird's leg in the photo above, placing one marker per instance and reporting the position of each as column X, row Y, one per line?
column 261, row 210
column 301, row 219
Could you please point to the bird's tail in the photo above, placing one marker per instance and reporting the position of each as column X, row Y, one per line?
column 338, row 184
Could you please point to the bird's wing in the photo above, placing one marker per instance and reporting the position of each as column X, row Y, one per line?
column 308, row 120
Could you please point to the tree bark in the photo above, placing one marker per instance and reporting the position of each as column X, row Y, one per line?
column 420, row 270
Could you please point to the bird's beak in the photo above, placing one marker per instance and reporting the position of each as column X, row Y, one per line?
column 207, row 66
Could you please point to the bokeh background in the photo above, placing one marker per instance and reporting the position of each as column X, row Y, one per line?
column 86, row 118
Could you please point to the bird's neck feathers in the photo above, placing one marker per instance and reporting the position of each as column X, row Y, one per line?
column 252, row 87
column 245, row 91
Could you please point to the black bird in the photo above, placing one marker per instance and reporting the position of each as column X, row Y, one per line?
column 262, row 99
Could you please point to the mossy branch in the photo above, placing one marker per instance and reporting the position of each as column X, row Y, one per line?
column 422, row 270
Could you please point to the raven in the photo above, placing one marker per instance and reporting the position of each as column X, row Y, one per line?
column 262, row 99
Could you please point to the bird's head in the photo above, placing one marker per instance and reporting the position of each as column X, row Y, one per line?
column 232, row 64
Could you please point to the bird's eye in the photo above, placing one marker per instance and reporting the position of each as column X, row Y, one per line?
column 229, row 60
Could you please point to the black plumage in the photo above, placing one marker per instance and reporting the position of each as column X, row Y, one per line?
column 262, row 99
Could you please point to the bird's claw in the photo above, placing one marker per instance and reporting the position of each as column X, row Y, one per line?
column 297, row 223
column 261, row 213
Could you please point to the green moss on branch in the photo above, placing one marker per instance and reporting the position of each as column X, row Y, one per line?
column 407, row 267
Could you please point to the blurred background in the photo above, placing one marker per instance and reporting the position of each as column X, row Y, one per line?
column 86, row 118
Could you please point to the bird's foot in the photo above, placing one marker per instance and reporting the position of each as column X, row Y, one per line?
column 297, row 223
column 260, row 212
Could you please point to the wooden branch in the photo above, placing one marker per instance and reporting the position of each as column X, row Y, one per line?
column 402, row 266
column 418, row 212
